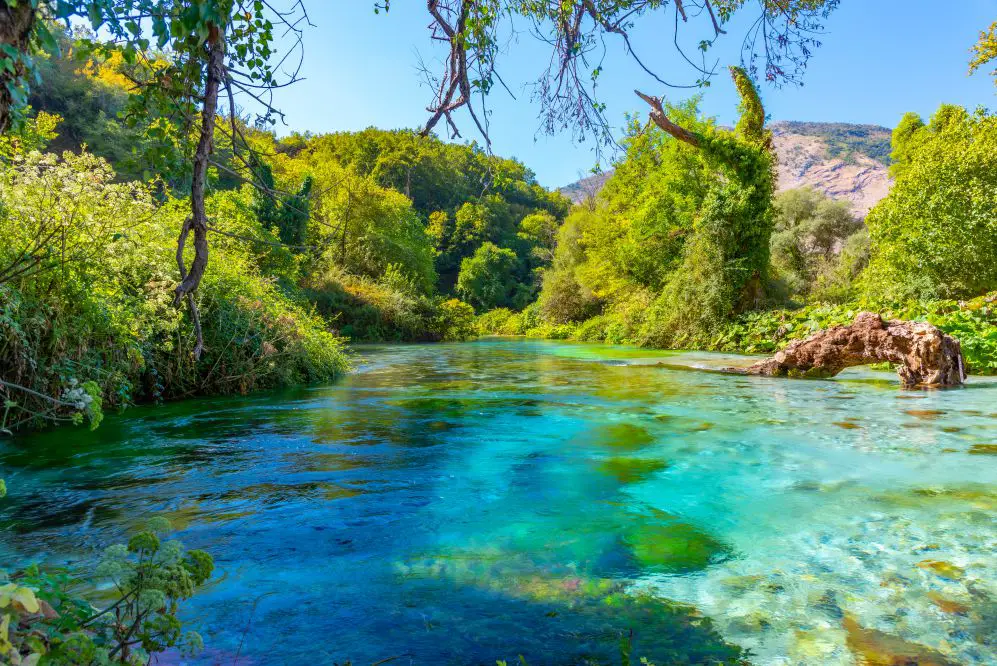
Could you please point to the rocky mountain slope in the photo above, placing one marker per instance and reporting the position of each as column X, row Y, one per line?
column 845, row 161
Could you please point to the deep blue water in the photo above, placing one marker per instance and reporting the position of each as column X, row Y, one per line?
column 459, row 504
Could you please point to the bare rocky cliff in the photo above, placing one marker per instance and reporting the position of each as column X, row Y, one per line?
column 845, row 161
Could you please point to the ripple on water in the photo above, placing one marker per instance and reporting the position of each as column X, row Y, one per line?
column 467, row 503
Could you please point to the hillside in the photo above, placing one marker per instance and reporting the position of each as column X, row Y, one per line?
column 845, row 161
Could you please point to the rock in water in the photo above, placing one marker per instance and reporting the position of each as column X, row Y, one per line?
column 872, row 647
column 924, row 355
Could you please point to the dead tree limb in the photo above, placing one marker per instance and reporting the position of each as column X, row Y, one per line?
column 661, row 119
column 924, row 355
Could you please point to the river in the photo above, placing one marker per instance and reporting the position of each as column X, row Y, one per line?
column 460, row 504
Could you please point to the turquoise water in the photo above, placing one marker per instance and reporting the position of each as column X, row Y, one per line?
column 458, row 504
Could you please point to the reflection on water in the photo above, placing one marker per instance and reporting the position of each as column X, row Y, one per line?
column 458, row 504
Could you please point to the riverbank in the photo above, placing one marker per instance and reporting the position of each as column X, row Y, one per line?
column 973, row 323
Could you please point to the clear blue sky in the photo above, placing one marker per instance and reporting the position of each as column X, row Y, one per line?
column 879, row 59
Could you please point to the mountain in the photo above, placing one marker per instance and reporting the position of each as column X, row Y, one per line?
column 843, row 160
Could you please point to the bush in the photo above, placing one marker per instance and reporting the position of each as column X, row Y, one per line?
column 454, row 321
column 367, row 310
column 85, row 305
column 497, row 322
column 563, row 299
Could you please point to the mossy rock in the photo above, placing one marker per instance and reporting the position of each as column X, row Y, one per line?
column 675, row 547
column 628, row 469
column 626, row 436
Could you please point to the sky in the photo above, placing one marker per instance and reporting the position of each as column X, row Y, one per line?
column 878, row 60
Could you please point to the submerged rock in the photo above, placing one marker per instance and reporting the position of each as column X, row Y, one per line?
column 872, row 647
column 675, row 547
column 631, row 469
column 944, row 569
column 925, row 356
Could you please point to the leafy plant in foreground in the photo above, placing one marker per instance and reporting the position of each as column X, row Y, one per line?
column 46, row 616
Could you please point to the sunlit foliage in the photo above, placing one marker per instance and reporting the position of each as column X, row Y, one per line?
column 935, row 235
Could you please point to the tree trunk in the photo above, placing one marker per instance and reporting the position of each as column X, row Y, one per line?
column 16, row 24
column 198, row 220
column 923, row 354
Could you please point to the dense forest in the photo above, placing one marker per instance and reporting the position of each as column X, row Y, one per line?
column 162, row 242
column 927, row 251
column 374, row 236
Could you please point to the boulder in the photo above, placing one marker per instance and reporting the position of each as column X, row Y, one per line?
column 924, row 355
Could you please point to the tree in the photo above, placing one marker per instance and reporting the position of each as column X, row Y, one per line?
column 985, row 50
column 935, row 234
column 725, row 261
column 810, row 231
column 776, row 48
column 365, row 228
column 487, row 278
column 213, row 45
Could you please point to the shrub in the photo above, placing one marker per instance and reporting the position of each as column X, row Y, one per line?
column 454, row 321
column 563, row 299
column 85, row 309
column 495, row 322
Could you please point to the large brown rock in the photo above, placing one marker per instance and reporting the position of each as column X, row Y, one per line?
column 923, row 354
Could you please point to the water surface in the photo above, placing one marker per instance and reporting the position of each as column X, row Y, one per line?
column 458, row 504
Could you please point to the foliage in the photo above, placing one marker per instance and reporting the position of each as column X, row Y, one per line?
column 935, row 235
column 985, row 50
column 500, row 321
column 86, row 303
column 364, row 228
column 683, row 229
column 564, row 299
column 47, row 616
column 724, row 264
column 454, row 321
column 462, row 196
column 810, row 231
column 384, row 310
column 487, row 280
column 286, row 215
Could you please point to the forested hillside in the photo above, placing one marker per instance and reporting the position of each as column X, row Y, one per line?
column 315, row 240
column 847, row 162
column 924, row 251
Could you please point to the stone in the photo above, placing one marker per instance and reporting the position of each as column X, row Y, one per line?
column 872, row 647
column 944, row 569
column 924, row 355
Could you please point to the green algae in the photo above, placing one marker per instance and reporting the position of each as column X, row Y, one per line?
column 625, row 436
column 599, row 611
column 630, row 469
column 666, row 544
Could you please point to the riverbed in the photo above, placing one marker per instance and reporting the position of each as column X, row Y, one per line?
column 461, row 504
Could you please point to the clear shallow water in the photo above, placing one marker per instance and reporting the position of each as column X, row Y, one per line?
column 457, row 504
